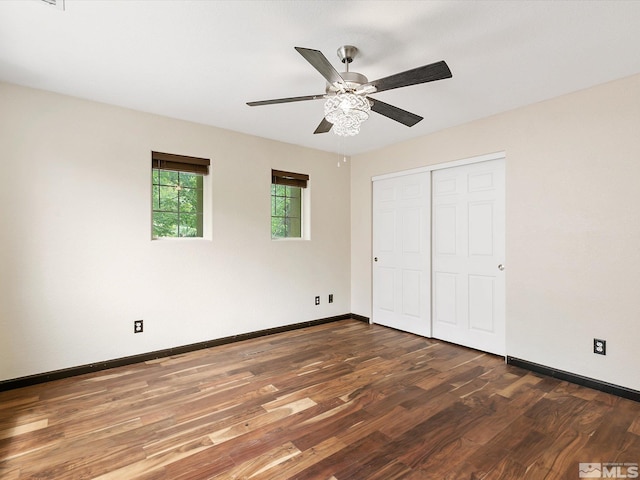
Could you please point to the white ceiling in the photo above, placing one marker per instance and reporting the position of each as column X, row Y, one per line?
column 202, row 60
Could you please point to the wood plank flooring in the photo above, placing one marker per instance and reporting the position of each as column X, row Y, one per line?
column 345, row 400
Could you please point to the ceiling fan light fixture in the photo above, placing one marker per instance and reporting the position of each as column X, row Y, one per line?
column 347, row 104
column 346, row 111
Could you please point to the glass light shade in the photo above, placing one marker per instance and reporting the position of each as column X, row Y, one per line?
column 346, row 111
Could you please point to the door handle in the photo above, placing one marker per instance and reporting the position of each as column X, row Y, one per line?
column 501, row 267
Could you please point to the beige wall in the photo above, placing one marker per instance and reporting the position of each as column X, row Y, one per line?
column 572, row 226
column 77, row 263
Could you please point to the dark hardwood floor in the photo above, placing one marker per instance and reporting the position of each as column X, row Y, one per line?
column 344, row 400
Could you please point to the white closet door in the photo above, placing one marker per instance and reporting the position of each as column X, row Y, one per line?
column 468, row 223
column 402, row 251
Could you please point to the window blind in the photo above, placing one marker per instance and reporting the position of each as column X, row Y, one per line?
column 181, row 163
column 288, row 178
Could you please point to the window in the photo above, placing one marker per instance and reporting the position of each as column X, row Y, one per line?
column 178, row 195
column 286, row 204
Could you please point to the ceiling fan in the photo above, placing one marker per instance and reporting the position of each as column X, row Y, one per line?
column 347, row 100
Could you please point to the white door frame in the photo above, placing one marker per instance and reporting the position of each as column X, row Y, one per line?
column 430, row 168
column 440, row 166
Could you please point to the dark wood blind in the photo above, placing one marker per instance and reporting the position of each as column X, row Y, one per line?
column 180, row 163
column 288, row 178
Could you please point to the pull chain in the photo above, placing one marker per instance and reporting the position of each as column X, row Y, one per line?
column 341, row 149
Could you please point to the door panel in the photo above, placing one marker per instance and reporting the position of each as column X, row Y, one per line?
column 445, row 228
column 402, row 252
column 411, row 237
column 387, row 228
column 481, row 300
column 468, row 235
column 386, row 290
column 411, row 293
column 480, row 237
column 445, row 292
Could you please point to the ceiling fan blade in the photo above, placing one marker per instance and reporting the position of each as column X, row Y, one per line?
column 394, row 113
column 428, row 73
column 320, row 63
column 285, row 100
column 324, row 127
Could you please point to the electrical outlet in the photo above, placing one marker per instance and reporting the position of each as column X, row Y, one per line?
column 317, row 300
column 331, row 298
column 137, row 326
column 599, row 346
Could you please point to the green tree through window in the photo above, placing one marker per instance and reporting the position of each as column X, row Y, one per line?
column 177, row 204
column 286, row 211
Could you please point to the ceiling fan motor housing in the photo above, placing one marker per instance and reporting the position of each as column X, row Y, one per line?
column 351, row 79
